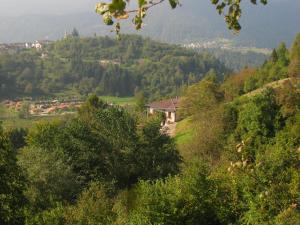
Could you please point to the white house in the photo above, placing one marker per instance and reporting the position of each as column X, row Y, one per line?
column 169, row 107
column 37, row 45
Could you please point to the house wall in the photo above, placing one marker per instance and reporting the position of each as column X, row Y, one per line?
column 171, row 117
column 151, row 110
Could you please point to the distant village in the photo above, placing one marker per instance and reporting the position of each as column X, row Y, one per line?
column 225, row 44
column 15, row 47
column 44, row 108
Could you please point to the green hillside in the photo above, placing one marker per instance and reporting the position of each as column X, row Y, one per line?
column 235, row 158
column 78, row 66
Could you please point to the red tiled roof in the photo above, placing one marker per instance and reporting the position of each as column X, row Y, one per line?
column 166, row 105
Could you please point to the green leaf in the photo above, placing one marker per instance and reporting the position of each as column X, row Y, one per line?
column 101, row 8
column 173, row 3
column 142, row 3
column 107, row 18
column 117, row 5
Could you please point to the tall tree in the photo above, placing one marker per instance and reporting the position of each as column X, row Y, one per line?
column 274, row 56
column 75, row 33
column 294, row 67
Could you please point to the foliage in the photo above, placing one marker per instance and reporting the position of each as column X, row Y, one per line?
column 274, row 69
column 102, row 144
column 158, row 152
column 233, row 86
column 294, row 68
column 104, row 66
column 258, row 120
column 17, row 137
column 191, row 198
column 140, row 100
column 50, row 179
column 12, row 185
column 75, row 33
column 235, row 60
column 93, row 207
column 24, row 111
column 258, row 163
column 52, row 216
column 202, row 96
column 269, row 184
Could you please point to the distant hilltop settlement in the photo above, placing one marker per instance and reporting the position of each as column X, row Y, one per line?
column 15, row 47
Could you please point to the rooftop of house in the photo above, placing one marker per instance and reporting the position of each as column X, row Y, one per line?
column 170, row 105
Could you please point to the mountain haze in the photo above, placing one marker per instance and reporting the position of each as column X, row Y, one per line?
column 263, row 26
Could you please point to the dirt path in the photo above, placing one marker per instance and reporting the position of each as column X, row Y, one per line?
column 170, row 129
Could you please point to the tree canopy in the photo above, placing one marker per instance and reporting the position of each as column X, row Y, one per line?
column 103, row 66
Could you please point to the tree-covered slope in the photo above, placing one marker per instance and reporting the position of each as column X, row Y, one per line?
column 105, row 66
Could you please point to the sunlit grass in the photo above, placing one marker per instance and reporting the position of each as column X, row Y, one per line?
column 184, row 131
column 118, row 100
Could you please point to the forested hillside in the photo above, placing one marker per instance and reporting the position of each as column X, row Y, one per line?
column 235, row 60
column 105, row 66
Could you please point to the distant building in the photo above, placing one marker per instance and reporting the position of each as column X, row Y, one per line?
column 37, row 45
column 169, row 107
column 12, row 48
column 105, row 62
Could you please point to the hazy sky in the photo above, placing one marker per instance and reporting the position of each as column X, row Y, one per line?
column 17, row 7
column 21, row 7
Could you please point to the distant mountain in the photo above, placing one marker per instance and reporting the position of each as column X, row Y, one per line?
column 195, row 21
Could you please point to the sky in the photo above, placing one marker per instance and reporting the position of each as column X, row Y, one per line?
column 27, row 20
column 23, row 7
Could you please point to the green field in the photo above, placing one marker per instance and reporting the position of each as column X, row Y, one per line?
column 184, row 131
column 118, row 100
column 16, row 122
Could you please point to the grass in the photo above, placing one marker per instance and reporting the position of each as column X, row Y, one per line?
column 6, row 113
column 10, row 119
column 184, row 131
column 15, row 122
column 110, row 99
column 118, row 100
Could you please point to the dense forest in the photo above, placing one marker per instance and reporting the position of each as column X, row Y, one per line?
column 107, row 165
column 105, row 66
column 237, row 61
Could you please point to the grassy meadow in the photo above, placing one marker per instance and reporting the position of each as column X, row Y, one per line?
column 184, row 131
column 118, row 100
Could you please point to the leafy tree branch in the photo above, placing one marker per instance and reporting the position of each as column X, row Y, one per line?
column 117, row 10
